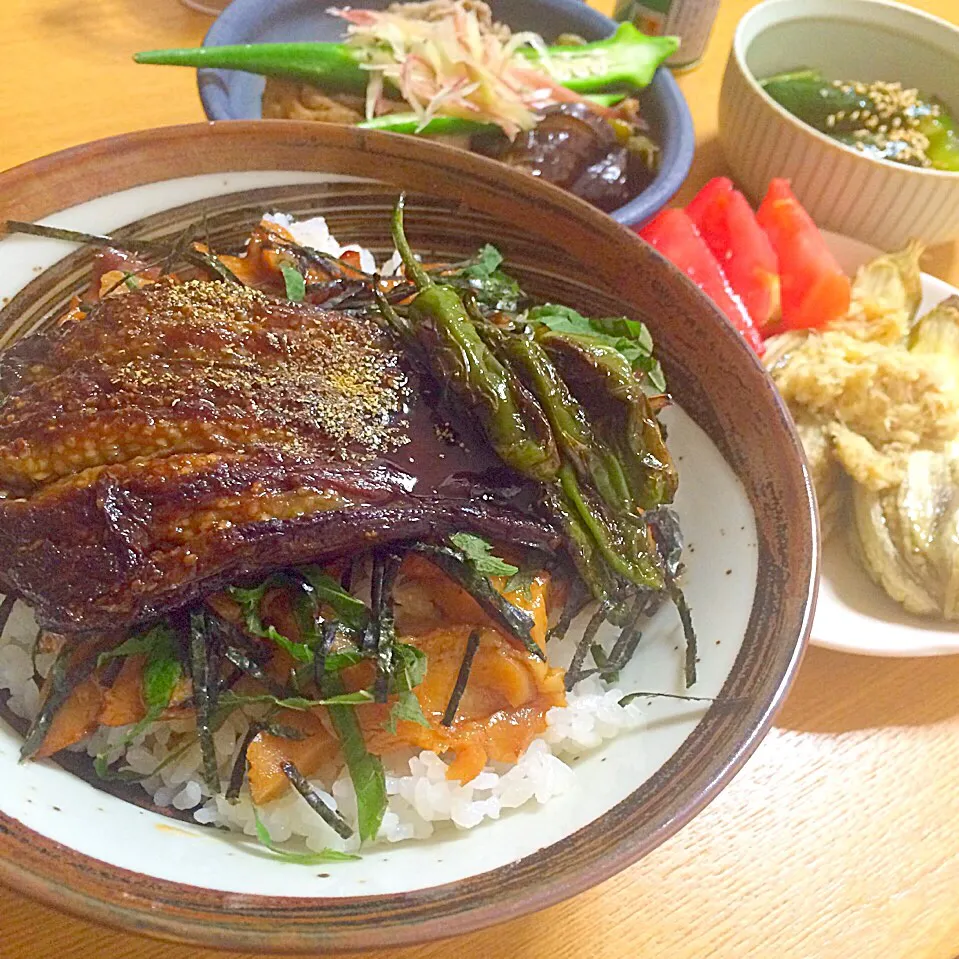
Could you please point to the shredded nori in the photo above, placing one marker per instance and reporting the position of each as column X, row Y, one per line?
column 238, row 773
column 517, row 622
column 33, row 652
column 685, row 617
column 282, row 731
column 576, row 602
column 370, row 637
column 62, row 682
column 385, row 626
column 462, row 678
column 329, row 815
column 628, row 640
column 320, row 653
column 194, row 257
column 735, row 701
column 606, row 669
column 575, row 671
column 242, row 652
column 252, row 668
column 203, row 661
column 6, row 608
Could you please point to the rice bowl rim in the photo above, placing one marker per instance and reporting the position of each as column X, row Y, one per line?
column 720, row 378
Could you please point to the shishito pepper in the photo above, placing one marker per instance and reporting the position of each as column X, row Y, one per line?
column 513, row 422
column 454, row 126
column 536, row 424
column 626, row 60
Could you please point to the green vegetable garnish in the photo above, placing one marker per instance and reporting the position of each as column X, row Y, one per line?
column 517, row 622
column 351, row 611
column 366, row 770
column 295, row 283
column 521, row 582
column 299, row 703
column 136, row 644
column 162, row 671
column 326, row 590
column 409, row 670
column 407, row 707
column 297, row 858
column 458, row 357
column 486, row 282
column 299, row 651
column 410, row 667
column 629, row 337
column 479, row 554
column 161, row 674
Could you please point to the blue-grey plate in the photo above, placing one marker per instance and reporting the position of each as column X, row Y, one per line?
column 231, row 95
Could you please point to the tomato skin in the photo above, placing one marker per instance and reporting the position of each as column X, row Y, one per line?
column 726, row 222
column 815, row 291
column 673, row 234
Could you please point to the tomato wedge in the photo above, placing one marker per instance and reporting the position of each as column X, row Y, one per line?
column 672, row 233
column 726, row 222
column 815, row 291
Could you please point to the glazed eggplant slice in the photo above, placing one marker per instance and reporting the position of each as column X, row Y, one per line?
column 186, row 436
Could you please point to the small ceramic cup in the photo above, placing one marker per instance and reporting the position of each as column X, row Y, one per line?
column 876, row 201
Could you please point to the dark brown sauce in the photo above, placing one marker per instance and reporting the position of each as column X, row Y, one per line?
column 448, row 455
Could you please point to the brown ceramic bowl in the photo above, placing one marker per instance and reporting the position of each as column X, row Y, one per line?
column 745, row 501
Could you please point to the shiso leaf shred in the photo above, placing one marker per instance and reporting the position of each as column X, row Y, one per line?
column 160, row 676
column 295, row 283
column 479, row 554
column 521, row 582
column 629, row 337
column 297, row 858
column 366, row 770
column 407, row 707
column 352, row 612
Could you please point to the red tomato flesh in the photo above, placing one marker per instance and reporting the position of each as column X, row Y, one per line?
column 672, row 233
column 726, row 222
column 815, row 291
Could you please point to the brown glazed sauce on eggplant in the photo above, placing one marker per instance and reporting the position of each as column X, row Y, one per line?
column 184, row 436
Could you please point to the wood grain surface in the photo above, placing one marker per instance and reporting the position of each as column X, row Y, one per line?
column 837, row 841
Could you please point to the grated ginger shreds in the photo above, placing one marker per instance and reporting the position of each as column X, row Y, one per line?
column 884, row 393
column 455, row 63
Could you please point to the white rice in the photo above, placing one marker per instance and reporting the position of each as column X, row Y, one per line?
column 421, row 798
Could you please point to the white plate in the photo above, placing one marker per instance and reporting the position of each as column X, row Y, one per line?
column 853, row 614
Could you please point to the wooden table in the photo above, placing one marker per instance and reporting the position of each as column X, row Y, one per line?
column 839, row 840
